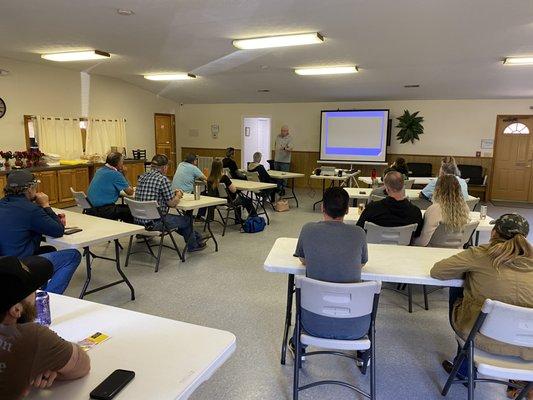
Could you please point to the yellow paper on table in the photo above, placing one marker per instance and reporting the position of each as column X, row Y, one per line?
column 93, row 340
column 73, row 162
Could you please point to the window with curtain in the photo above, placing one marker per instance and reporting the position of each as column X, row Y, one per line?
column 102, row 134
column 60, row 136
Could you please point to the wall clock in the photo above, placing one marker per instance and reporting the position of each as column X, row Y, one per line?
column 2, row 108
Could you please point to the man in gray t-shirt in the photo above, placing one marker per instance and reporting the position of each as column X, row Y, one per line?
column 282, row 153
column 333, row 251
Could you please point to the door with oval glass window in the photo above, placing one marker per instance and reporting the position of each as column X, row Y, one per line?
column 513, row 159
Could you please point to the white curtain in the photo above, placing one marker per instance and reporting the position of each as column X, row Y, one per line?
column 60, row 136
column 102, row 134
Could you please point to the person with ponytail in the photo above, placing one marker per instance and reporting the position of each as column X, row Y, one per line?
column 501, row 270
column 449, row 207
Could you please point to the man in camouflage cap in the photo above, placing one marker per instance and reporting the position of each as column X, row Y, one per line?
column 509, row 225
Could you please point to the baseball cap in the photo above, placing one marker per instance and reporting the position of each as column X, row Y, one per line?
column 21, row 178
column 19, row 279
column 159, row 160
column 509, row 225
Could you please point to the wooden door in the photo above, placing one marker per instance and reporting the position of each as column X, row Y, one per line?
column 66, row 180
column 165, row 139
column 513, row 158
column 48, row 185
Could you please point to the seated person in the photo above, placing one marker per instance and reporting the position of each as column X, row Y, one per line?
column 449, row 207
column 501, row 270
column 187, row 173
column 31, row 355
column 154, row 185
column 448, row 167
column 105, row 189
column 332, row 251
column 399, row 165
column 26, row 216
column 215, row 177
column 264, row 176
column 395, row 209
column 229, row 163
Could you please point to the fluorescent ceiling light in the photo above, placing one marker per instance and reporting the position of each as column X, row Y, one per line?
column 327, row 70
column 170, row 77
column 279, row 41
column 518, row 61
column 77, row 55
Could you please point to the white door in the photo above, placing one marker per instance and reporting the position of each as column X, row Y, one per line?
column 255, row 137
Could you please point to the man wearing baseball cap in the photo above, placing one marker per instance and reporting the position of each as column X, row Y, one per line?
column 31, row 355
column 26, row 216
column 501, row 270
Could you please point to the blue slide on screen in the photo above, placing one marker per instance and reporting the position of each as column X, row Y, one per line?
column 354, row 136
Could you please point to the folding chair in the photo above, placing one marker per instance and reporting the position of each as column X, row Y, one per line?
column 149, row 210
column 337, row 300
column 507, row 324
column 408, row 184
column 262, row 196
column 228, row 207
column 398, row 235
column 472, row 203
column 452, row 240
column 81, row 201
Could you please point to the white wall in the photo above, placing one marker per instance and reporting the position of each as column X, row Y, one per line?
column 451, row 126
column 38, row 89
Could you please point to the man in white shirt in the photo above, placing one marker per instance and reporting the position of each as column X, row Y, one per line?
column 282, row 155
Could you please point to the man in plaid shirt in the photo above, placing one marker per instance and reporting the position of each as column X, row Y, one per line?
column 154, row 185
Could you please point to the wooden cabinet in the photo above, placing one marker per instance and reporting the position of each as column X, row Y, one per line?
column 3, row 181
column 81, row 183
column 66, row 180
column 134, row 169
column 48, row 185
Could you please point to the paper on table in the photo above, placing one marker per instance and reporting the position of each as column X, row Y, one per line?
column 93, row 340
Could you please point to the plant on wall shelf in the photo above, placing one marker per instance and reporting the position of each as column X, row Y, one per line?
column 410, row 127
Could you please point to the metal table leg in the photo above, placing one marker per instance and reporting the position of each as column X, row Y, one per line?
column 323, row 190
column 288, row 317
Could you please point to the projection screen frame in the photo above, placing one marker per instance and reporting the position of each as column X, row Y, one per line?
column 330, row 161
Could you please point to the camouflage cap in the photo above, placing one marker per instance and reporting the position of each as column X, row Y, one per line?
column 509, row 225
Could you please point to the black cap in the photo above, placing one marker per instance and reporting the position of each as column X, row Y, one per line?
column 19, row 279
column 21, row 178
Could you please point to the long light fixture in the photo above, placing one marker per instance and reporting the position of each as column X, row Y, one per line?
column 77, row 55
column 279, row 41
column 327, row 70
column 518, row 61
column 170, row 77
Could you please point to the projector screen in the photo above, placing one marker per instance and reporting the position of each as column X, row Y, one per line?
column 356, row 136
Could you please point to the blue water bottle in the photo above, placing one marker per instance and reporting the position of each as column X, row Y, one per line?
column 42, row 304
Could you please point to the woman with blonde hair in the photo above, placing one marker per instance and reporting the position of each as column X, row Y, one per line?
column 449, row 207
column 501, row 270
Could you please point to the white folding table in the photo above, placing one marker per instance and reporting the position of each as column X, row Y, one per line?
column 364, row 193
column 255, row 188
column 289, row 176
column 419, row 180
column 95, row 231
column 386, row 263
column 333, row 178
column 171, row 359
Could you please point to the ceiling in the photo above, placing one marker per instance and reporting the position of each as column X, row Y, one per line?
column 452, row 48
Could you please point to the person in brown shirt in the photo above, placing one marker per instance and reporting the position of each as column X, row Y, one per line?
column 31, row 355
column 501, row 270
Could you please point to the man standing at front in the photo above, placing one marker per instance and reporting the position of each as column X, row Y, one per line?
column 282, row 155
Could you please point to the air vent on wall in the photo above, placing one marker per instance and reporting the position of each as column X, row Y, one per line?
column 263, row 91
column 411, row 86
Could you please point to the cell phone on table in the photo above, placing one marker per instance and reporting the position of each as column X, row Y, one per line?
column 70, row 231
column 112, row 385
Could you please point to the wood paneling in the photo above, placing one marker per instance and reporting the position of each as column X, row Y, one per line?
column 306, row 161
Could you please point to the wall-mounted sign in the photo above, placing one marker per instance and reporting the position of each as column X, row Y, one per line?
column 487, row 144
column 214, row 130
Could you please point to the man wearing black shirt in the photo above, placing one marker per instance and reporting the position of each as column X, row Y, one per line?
column 395, row 209
column 229, row 163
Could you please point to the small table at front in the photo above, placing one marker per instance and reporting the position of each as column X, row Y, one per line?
column 95, row 231
column 419, row 180
column 287, row 175
column 188, row 203
column 484, row 224
column 255, row 188
column 386, row 263
column 171, row 359
column 333, row 179
column 364, row 193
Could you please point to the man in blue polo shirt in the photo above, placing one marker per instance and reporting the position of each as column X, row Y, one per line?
column 26, row 216
column 186, row 173
column 105, row 189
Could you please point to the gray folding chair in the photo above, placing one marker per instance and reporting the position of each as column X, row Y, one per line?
column 472, row 203
column 149, row 210
column 453, row 240
column 252, row 176
column 408, row 184
column 229, row 207
column 339, row 301
column 504, row 323
column 81, row 201
column 398, row 235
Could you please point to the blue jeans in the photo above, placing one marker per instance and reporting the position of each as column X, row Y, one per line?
column 65, row 263
column 182, row 224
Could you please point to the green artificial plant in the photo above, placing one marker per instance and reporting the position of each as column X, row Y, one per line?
column 410, row 127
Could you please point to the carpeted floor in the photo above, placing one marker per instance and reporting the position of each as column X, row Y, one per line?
column 230, row 290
